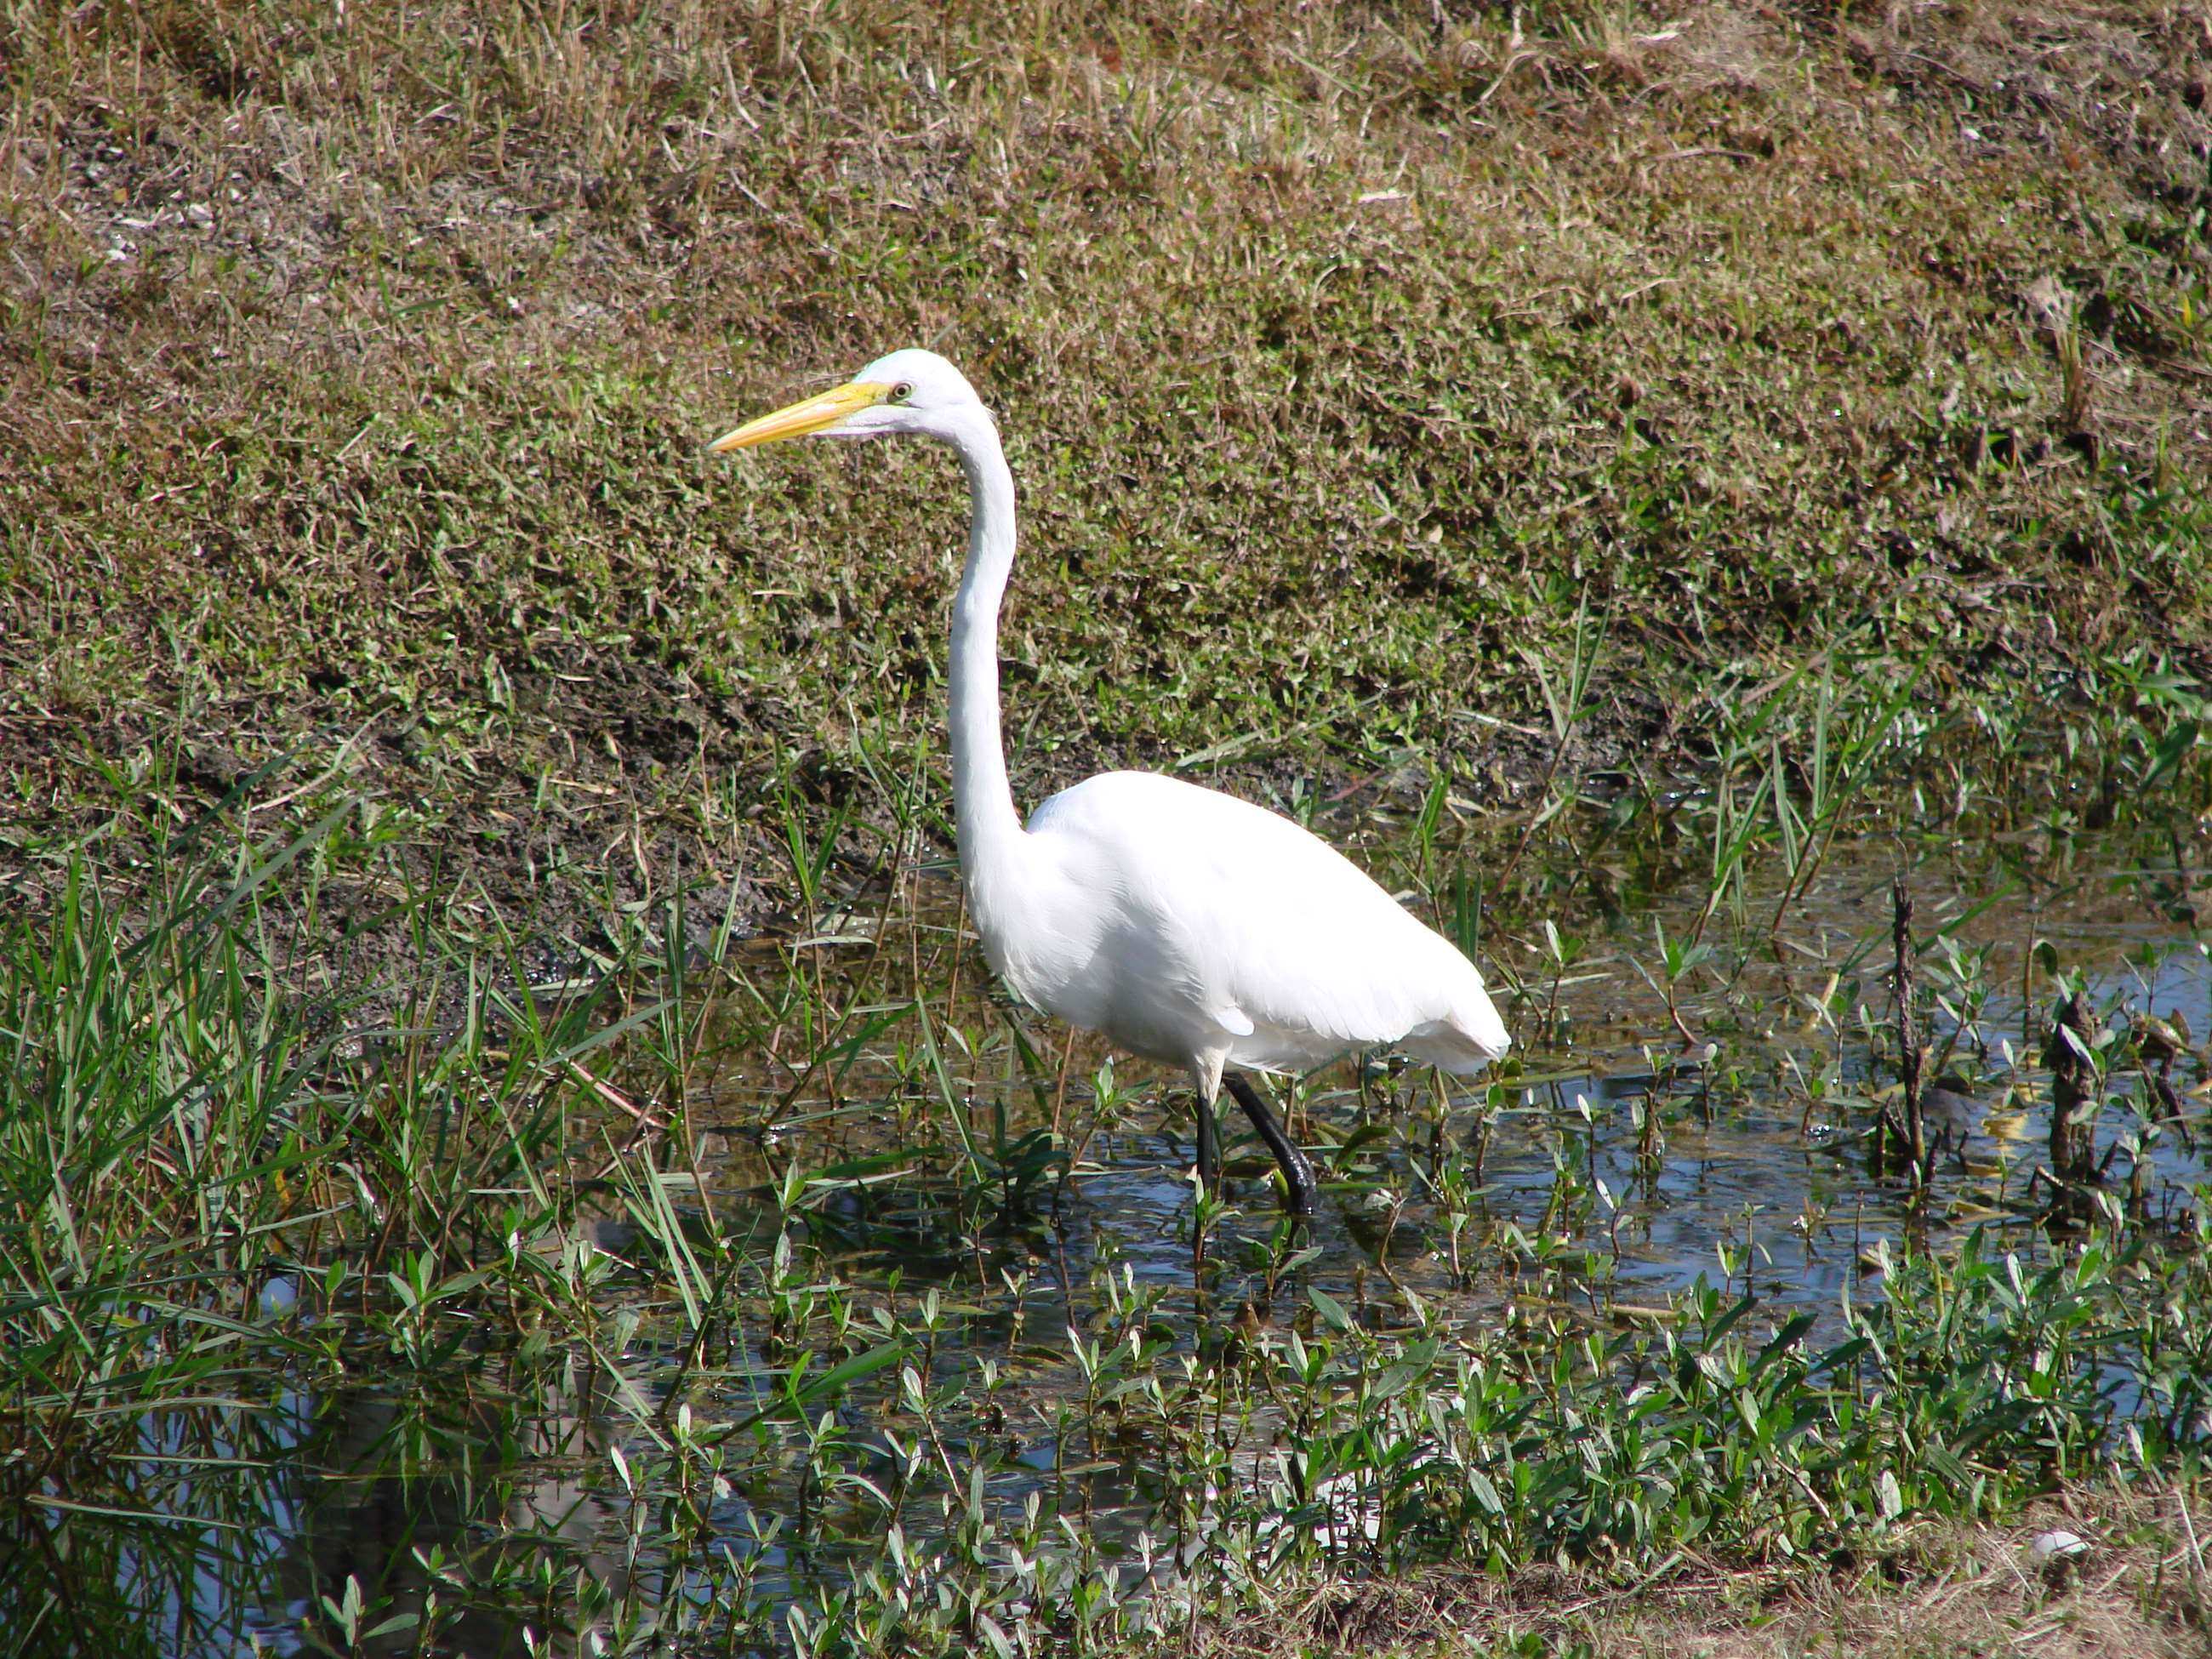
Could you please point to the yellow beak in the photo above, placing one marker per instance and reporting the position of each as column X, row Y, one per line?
column 816, row 414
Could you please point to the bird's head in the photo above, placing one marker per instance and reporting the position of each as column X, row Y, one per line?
column 911, row 391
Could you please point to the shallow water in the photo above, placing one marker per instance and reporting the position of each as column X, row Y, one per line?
column 1745, row 1151
column 1759, row 1177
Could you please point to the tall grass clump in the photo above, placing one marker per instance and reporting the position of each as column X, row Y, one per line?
column 167, row 1124
column 232, row 1197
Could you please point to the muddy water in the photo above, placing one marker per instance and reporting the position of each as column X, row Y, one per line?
column 1754, row 1169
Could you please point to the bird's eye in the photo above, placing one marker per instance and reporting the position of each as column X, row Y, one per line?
column 902, row 391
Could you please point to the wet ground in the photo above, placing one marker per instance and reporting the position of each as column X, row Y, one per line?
column 961, row 1151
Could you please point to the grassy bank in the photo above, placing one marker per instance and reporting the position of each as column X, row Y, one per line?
column 357, row 367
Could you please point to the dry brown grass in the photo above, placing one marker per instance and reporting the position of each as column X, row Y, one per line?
column 1945, row 1592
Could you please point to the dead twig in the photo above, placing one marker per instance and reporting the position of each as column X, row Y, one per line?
column 615, row 1097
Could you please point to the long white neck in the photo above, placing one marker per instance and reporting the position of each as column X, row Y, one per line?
column 990, row 830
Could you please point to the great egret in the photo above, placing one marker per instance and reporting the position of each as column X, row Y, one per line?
column 1187, row 926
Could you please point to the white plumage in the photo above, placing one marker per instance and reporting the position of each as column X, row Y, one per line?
column 1187, row 926
column 1181, row 921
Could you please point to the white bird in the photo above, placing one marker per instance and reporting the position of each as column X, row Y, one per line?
column 1185, row 924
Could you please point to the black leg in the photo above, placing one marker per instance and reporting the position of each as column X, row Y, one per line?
column 1297, row 1173
column 1209, row 1147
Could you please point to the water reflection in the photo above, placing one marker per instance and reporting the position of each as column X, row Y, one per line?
column 1623, row 1164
